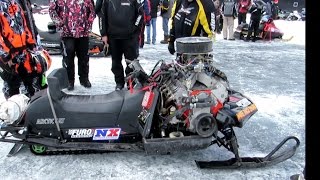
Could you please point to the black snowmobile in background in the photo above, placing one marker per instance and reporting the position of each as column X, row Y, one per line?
column 184, row 105
column 51, row 41
column 39, row 9
column 267, row 30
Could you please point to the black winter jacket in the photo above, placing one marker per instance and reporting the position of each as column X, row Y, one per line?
column 121, row 19
column 256, row 13
column 98, row 6
column 192, row 19
column 154, row 7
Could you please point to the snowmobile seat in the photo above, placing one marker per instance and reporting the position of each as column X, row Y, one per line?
column 57, row 80
column 106, row 103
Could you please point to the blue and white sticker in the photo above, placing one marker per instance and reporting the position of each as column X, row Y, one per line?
column 106, row 134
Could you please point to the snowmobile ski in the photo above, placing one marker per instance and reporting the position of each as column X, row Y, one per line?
column 253, row 162
column 287, row 39
column 15, row 149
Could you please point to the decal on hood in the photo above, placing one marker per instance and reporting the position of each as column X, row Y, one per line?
column 49, row 121
column 107, row 134
column 80, row 133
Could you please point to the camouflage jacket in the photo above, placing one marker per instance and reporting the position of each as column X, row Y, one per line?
column 73, row 17
column 15, row 36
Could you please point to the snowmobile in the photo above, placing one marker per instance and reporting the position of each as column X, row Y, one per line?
column 39, row 9
column 283, row 14
column 184, row 105
column 50, row 41
column 297, row 16
column 267, row 30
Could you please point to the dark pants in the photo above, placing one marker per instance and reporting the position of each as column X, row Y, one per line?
column 219, row 24
column 242, row 18
column 120, row 47
column 11, row 86
column 76, row 46
column 31, row 82
column 253, row 27
column 141, row 36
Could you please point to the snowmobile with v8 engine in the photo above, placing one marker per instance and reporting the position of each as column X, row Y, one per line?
column 184, row 105
column 51, row 41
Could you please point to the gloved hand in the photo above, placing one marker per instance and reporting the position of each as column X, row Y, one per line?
column 19, row 58
column 213, row 37
column 105, row 49
column 10, row 63
column 148, row 19
column 35, row 61
column 6, row 59
column 104, row 39
column 171, row 48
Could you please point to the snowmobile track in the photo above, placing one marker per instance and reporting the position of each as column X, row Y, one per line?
column 49, row 152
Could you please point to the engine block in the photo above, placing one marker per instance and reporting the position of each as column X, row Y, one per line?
column 193, row 93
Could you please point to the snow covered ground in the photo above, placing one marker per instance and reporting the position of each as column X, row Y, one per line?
column 272, row 74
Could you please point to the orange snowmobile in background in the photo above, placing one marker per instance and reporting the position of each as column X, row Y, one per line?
column 50, row 40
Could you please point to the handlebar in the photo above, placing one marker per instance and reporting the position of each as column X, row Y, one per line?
column 138, row 74
column 135, row 65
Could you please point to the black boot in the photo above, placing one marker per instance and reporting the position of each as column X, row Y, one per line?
column 71, row 86
column 85, row 83
column 119, row 87
column 247, row 38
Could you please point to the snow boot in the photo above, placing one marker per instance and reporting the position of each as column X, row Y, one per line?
column 71, row 86
column 165, row 39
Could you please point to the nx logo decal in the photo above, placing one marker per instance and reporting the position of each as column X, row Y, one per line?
column 107, row 134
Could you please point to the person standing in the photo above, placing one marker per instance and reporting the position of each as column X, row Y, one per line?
column 275, row 9
column 146, row 22
column 229, row 14
column 267, row 7
column 218, row 14
column 153, row 22
column 74, row 18
column 256, row 13
column 121, row 25
column 165, row 13
column 99, row 12
column 21, row 57
column 243, row 7
column 191, row 18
